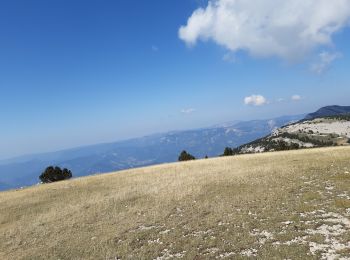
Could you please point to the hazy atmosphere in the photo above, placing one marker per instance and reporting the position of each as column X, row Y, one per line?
column 74, row 73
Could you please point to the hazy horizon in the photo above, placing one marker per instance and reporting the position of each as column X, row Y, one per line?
column 53, row 150
column 80, row 73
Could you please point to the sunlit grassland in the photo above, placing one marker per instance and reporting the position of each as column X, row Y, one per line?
column 269, row 206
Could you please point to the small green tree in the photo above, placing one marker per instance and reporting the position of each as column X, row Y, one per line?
column 184, row 156
column 228, row 151
column 53, row 174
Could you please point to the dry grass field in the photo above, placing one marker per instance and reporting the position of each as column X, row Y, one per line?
column 282, row 205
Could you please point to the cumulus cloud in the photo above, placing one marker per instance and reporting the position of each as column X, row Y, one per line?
column 295, row 97
column 324, row 61
column 289, row 29
column 255, row 100
column 188, row 111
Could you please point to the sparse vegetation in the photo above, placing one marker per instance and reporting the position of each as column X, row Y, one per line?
column 308, row 139
column 53, row 174
column 271, row 145
column 282, row 205
column 284, row 146
column 289, row 141
column 345, row 117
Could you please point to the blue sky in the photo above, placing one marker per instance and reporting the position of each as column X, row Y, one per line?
column 74, row 73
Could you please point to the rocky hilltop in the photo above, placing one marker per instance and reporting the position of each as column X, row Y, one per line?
column 308, row 133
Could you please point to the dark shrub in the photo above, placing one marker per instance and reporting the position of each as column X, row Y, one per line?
column 184, row 156
column 228, row 151
column 52, row 174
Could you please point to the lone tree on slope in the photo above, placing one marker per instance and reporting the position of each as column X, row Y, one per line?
column 53, row 174
column 228, row 151
column 184, row 156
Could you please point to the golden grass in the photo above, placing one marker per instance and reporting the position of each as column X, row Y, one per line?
column 195, row 210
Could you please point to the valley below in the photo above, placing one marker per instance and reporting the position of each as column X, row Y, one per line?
column 144, row 151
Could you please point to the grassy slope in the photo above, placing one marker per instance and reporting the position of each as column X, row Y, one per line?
column 261, row 205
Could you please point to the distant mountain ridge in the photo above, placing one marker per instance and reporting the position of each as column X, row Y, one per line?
column 248, row 136
column 137, row 152
column 329, row 111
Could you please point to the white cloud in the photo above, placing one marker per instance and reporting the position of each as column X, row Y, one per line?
column 255, row 100
column 324, row 61
column 295, row 98
column 289, row 29
column 188, row 111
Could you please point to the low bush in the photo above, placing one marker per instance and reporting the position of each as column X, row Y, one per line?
column 53, row 174
column 184, row 156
